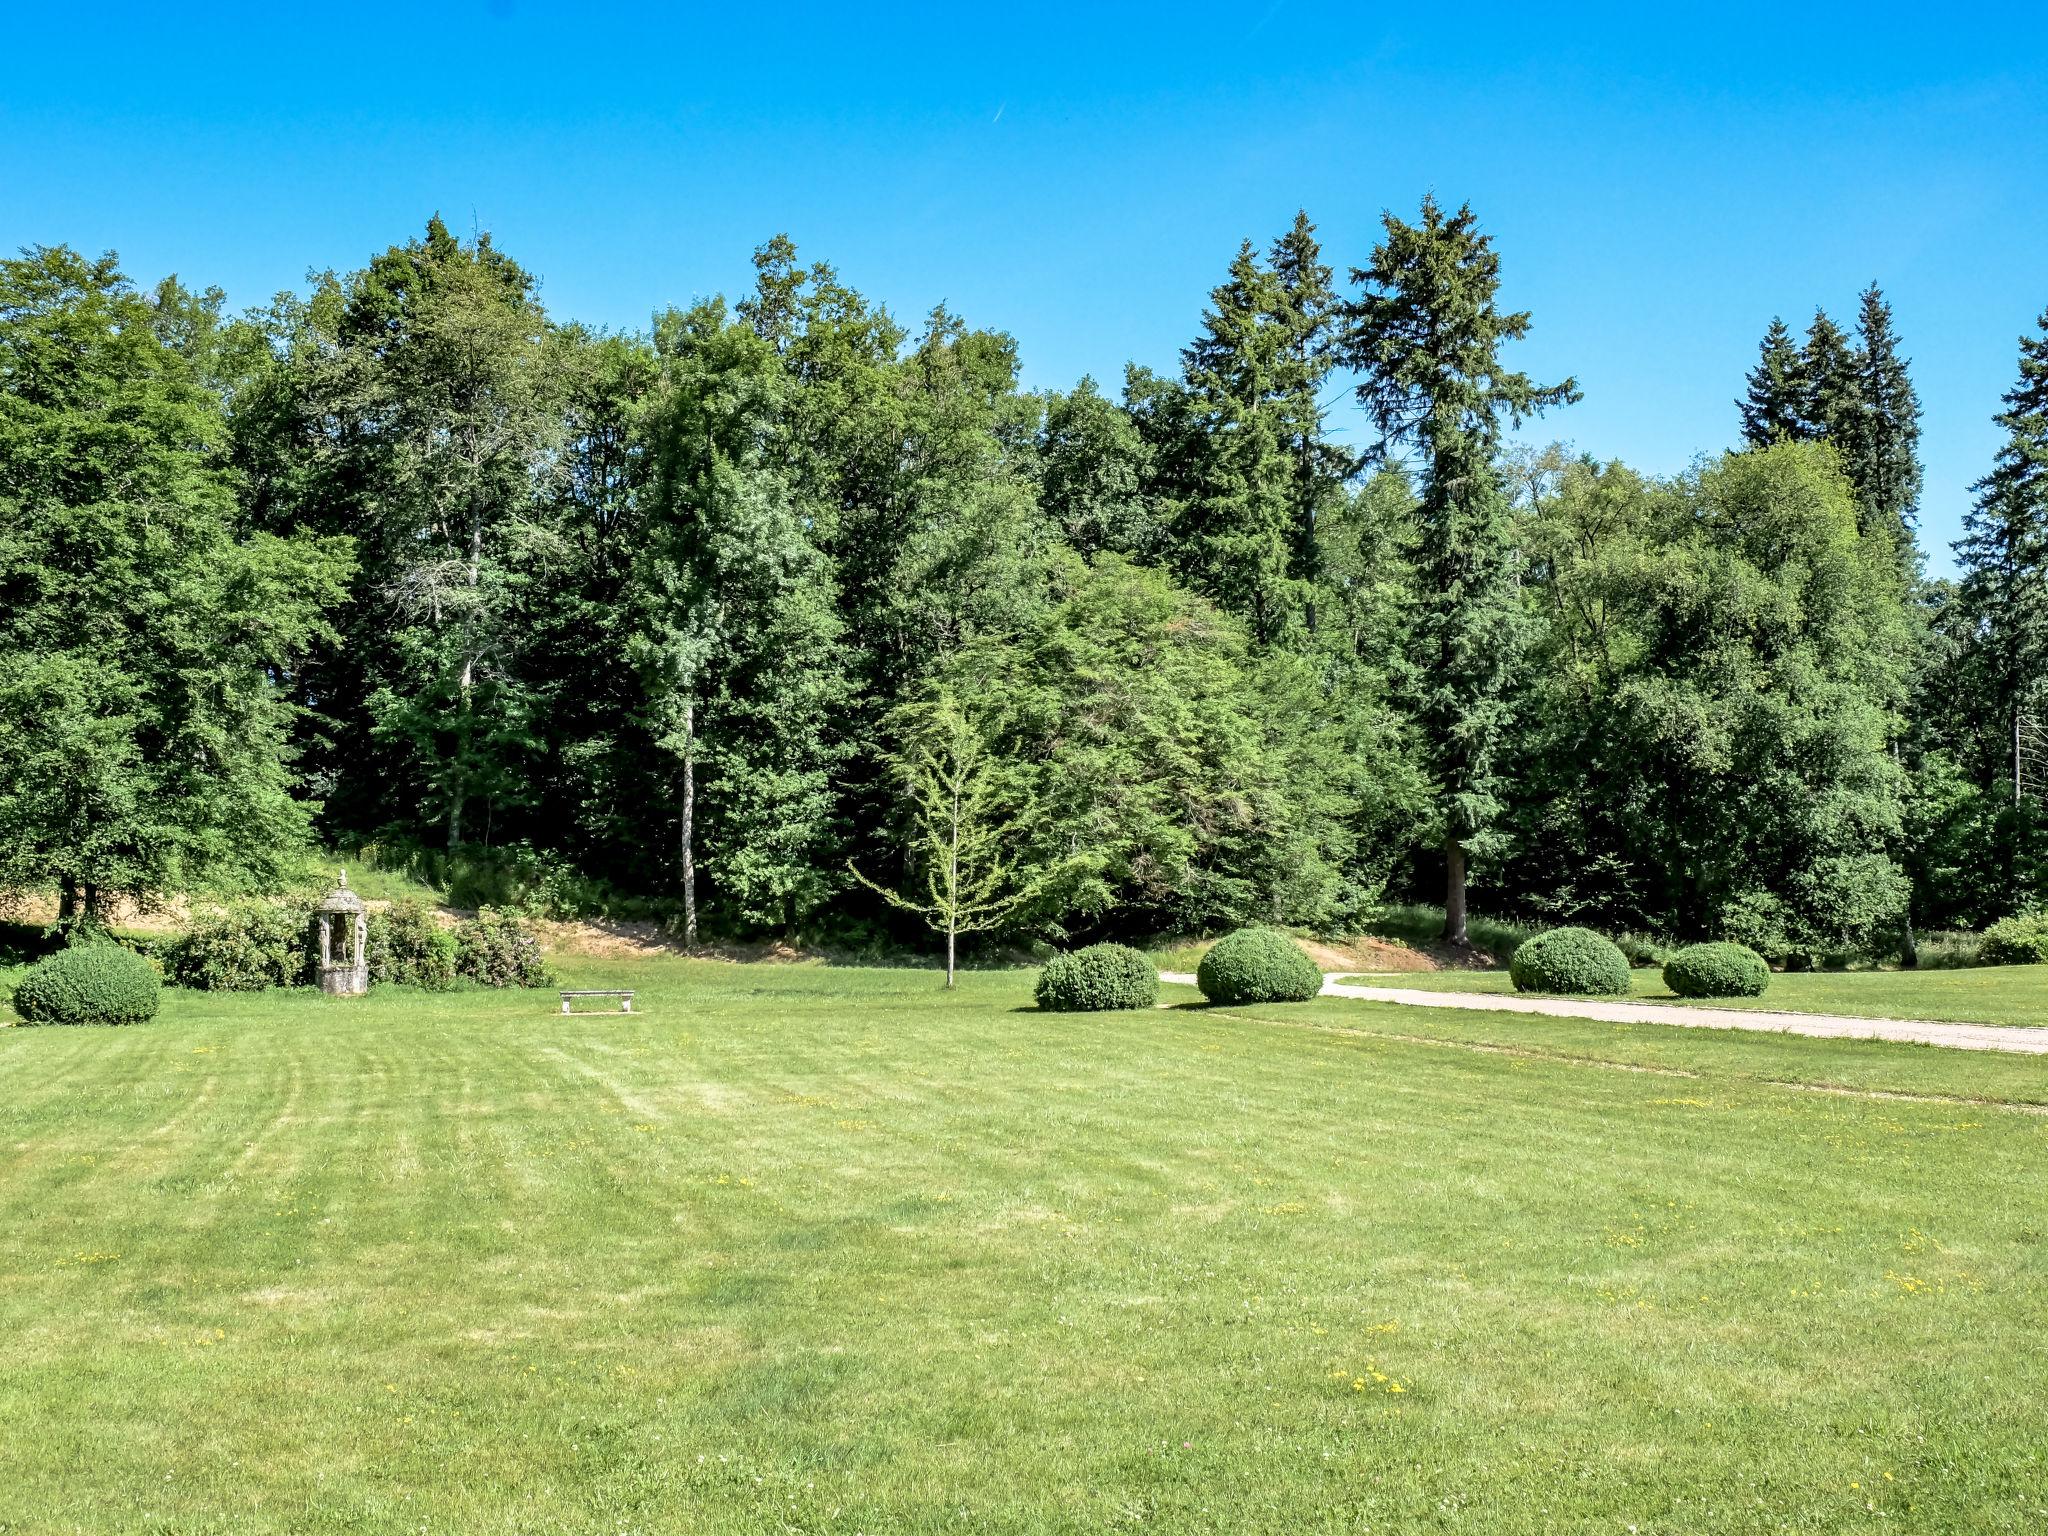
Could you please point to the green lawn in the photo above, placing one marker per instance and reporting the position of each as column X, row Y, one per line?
column 815, row 1249
column 1992, row 994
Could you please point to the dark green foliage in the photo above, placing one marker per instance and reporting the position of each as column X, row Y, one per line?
column 1717, row 970
column 2003, row 602
column 1098, row 978
column 89, row 984
column 1257, row 965
column 143, row 633
column 1830, row 396
column 2021, row 940
column 410, row 948
column 496, row 950
column 1427, row 334
column 1774, row 405
column 1573, row 961
column 1882, row 459
column 243, row 950
column 1706, row 744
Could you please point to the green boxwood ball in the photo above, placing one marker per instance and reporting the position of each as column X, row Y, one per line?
column 1717, row 970
column 1257, row 965
column 1097, row 979
column 92, row 984
column 1570, row 960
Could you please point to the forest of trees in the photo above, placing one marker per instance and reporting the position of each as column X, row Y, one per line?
column 715, row 614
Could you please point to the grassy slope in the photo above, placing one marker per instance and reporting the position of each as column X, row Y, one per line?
column 1996, row 994
column 821, row 1249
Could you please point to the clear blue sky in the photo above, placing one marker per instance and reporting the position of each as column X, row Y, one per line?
column 1659, row 184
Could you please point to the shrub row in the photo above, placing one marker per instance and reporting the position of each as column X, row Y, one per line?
column 410, row 947
column 267, row 944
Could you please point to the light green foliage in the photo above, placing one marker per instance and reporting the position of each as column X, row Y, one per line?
column 1185, row 779
column 495, row 949
column 1717, row 970
column 91, row 983
column 409, row 947
column 1719, row 674
column 2021, row 940
column 963, row 808
column 804, row 1266
column 1096, row 979
column 143, row 732
column 245, row 949
column 2015, row 994
column 1570, row 960
column 1257, row 965
column 736, row 639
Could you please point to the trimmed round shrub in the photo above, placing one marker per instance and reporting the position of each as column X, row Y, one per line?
column 92, row 984
column 1096, row 979
column 1257, row 965
column 1570, row 960
column 496, row 950
column 2021, row 940
column 1717, row 970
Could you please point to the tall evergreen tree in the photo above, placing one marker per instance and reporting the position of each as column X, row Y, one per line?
column 1426, row 333
column 1235, row 532
column 1882, row 458
column 1830, row 397
column 2004, row 555
column 1774, row 405
column 1308, row 315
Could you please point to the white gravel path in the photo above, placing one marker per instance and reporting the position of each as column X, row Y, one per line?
column 2024, row 1039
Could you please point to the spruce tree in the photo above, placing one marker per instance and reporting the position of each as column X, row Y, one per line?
column 1234, row 532
column 1882, row 459
column 1426, row 333
column 2004, row 553
column 1307, row 313
column 1773, row 406
column 1829, row 399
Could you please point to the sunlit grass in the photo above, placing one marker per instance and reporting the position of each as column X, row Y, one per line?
column 1993, row 994
column 823, row 1249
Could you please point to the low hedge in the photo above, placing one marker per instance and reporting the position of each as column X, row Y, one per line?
column 496, row 950
column 409, row 947
column 1098, row 979
column 1570, row 960
column 2021, row 940
column 1717, row 970
column 92, row 984
column 1257, row 965
column 245, row 950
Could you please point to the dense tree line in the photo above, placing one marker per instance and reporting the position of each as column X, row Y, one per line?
column 712, row 612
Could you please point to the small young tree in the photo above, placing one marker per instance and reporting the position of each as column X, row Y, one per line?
column 964, row 807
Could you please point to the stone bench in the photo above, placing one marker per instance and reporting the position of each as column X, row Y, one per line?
column 625, row 1000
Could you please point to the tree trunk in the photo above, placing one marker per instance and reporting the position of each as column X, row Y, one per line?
column 687, row 834
column 950, row 935
column 1454, row 895
column 67, row 900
